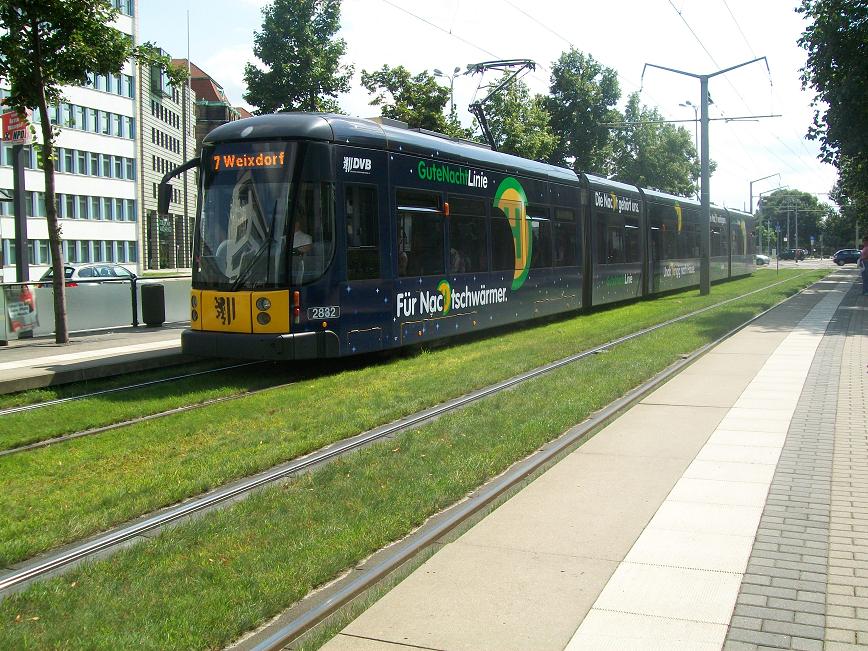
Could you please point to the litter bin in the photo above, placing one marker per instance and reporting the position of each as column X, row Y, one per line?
column 153, row 305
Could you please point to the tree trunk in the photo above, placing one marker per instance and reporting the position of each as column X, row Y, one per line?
column 61, row 333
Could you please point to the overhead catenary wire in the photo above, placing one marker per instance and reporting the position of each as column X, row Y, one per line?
column 783, row 161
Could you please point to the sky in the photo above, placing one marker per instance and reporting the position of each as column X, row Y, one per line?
column 695, row 36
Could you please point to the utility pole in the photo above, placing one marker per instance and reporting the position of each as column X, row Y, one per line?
column 760, row 229
column 705, row 192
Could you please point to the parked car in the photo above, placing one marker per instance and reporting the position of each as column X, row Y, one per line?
column 792, row 254
column 761, row 259
column 93, row 273
column 846, row 256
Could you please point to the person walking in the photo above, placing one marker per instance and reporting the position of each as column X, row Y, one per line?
column 863, row 265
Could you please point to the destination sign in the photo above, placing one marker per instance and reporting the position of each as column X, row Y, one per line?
column 247, row 161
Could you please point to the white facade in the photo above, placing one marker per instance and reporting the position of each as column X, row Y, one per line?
column 96, row 173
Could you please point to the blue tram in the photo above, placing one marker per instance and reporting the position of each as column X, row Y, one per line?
column 323, row 236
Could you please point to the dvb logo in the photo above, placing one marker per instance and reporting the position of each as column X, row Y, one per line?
column 357, row 164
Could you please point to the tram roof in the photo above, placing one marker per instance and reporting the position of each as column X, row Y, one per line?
column 670, row 198
column 607, row 185
column 342, row 129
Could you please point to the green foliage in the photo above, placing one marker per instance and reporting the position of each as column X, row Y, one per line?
column 654, row 154
column 837, row 45
column 298, row 47
column 417, row 100
column 47, row 44
column 583, row 94
column 519, row 123
column 777, row 207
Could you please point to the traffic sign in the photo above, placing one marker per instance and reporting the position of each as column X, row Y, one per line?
column 16, row 128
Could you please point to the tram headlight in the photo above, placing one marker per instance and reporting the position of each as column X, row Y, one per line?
column 194, row 315
column 263, row 318
column 263, row 304
column 194, row 302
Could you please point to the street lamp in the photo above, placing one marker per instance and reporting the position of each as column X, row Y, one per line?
column 695, row 108
column 451, row 78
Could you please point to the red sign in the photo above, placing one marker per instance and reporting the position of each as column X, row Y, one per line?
column 16, row 128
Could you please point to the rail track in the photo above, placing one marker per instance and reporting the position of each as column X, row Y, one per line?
column 35, row 568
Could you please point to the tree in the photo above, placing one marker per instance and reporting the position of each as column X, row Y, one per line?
column 582, row 97
column 837, row 45
column 785, row 208
column 419, row 101
column 839, row 232
column 297, row 44
column 46, row 44
column 654, row 154
column 519, row 123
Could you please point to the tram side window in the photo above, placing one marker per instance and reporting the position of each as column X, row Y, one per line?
column 565, row 238
column 313, row 238
column 420, row 233
column 502, row 242
column 467, row 241
column 610, row 241
column 632, row 240
column 541, row 235
column 363, row 227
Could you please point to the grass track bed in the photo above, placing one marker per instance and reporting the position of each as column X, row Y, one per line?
column 203, row 584
column 63, row 493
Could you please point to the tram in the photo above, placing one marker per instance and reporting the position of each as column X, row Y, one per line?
column 322, row 235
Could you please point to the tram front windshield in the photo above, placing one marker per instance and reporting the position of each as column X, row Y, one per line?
column 263, row 223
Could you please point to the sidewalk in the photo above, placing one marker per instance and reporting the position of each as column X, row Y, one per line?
column 729, row 509
column 31, row 363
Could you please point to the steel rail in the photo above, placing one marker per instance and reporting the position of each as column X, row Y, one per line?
column 218, row 496
column 58, row 401
column 366, row 578
column 169, row 412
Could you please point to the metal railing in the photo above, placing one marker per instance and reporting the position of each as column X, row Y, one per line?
column 92, row 304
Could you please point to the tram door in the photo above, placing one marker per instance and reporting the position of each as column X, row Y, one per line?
column 366, row 296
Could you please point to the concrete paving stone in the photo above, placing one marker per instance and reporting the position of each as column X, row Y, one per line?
column 466, row 597
column 767, row 590
column 739, row 454
column 747, row 599
column 707, row 518
column 671, row 592
column 736, row 437
column 847, row 623
column 811, row 619
column 694, row 550
column 732, row 645
column 840, row 611
column 794, row 630
column 763, row 613
column 752, row 581
column 805, row 644
column 711, row 491
column 754, row 424
column 747, row 623
column 756, row 568
column 630, row 631
column 730, row 471
column 798, row 584
column 796, row 605
column 774, row 640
